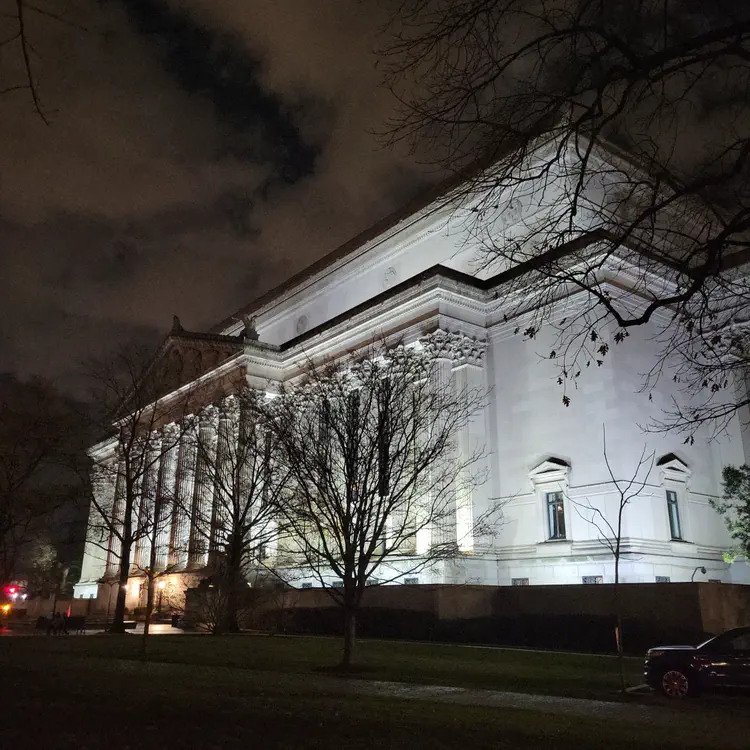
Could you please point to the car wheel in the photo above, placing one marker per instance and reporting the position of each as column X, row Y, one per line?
column 678, row 684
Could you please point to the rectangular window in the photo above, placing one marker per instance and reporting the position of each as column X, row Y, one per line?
column 593, row 579
column 338, row 584
column 411, row 581
column 555, row 515
column 519, row 581
column 306, row 585
column 663, row 579
column 674, row 515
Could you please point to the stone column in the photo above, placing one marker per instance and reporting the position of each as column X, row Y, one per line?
column 166, row 493
column 223, row 474
column 457, row 369
column 444, row 531
column 469, row 381
column 98, row 536
column 185, row 489
column 150, row 472
column 115, row 538
column 135, row 509
column 203, row 496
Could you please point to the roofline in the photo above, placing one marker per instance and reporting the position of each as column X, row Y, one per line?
column 422, row 201
column 434, row 198
column 481, row 285
column 433, row 195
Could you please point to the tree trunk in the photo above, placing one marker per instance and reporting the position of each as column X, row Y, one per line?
column 231, row 581
column 618, row 626
column 621, row 653
column 230, row 624
column 151, row 577
column 118, row 618
column 149, row 609
column 350, row 632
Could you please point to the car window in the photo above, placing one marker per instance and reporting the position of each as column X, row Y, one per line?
column 740, row 642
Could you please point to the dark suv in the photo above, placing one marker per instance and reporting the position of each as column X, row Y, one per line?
column 722, row 661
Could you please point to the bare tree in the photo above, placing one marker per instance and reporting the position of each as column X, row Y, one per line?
column 128, row 502
column 610, row 529
column 241, row 527
column 19, row 20
column 656, row 232
column 35, row 436
column 371, row 443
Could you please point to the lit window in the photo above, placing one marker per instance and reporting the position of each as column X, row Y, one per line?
column 555, row 515
column 663, row 579
column 674, row 515
column 593, row 579
column 520, row 581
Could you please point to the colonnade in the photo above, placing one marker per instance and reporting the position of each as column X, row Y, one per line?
column 174, row 487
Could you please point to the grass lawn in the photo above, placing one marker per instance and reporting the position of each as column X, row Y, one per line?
column 522, row 671
column 57, row 696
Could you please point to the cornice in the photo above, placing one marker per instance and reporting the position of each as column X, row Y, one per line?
column 432, row 214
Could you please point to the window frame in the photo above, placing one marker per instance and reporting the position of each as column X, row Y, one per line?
column 555, row 498
column 593, row 580
column 673, row 515
column 552, row 476
column 674, row 477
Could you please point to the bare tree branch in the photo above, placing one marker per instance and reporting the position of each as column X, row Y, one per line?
column 626, row 126
column 376, row 474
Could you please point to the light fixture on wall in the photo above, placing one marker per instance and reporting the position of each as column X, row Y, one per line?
column 702, row 570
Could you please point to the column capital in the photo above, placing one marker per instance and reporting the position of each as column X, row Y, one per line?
column 229, row 407
column 457, row 347
column 208, row 416
column 171, row 431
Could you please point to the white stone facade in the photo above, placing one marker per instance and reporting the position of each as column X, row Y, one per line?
column 417, row 277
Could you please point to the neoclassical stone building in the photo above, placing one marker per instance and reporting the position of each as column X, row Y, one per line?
column 414, row 275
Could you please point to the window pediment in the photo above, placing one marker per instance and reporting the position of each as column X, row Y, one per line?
column 673, row 469
column 551, row 471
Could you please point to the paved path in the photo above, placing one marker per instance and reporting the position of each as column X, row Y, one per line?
column 269, row 682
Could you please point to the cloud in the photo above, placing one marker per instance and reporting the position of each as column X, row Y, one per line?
column 200, row 152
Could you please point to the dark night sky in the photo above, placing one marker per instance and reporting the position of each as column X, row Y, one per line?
column 199, row 152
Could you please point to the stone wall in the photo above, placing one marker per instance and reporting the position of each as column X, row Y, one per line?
column 566, row 617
